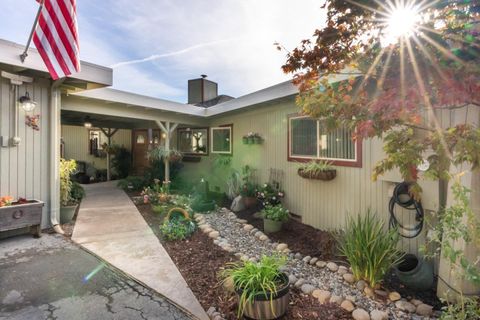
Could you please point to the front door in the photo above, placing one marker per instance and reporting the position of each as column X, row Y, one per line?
column 143, row 141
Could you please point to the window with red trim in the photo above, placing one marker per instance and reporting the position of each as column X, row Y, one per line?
column 309, row 139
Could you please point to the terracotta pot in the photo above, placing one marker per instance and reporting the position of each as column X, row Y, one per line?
column 249, row 202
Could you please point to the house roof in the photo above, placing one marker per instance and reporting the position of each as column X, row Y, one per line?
column 90, row 76
column 275, row 92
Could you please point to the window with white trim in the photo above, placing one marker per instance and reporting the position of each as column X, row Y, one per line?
column 310, row 139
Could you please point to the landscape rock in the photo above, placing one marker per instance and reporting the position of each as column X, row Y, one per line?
column 258, row 234
column 307, row 288
column 263, row 238
column 405, row 306
column 348, row 277
column 292, row 279
column 282, row 246
column 415, row 302
column 248, row 227
column 381, row 293
column 228, row 285
column 361, row 284
column 360, row 314
column 347, row 305
column 332, row 266
column 214, row 234
column 378, row 315
column 299, row 283
column 336, row 299
column 313, row 261
column 307, row 259
column 368, row 292
column 394, row 296
column 298, row 256
column 321, row 264
column 207, row 230
column 242, row 221
column 424, row 310
column 324, row 296
column 342, row 270
column 237, row 204
column 316, row 293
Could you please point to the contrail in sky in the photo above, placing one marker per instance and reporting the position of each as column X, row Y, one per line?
column 169, row 54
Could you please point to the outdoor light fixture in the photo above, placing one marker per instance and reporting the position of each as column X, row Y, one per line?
column 27, row 103
column 87, row 124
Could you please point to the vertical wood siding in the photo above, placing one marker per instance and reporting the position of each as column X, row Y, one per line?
column 324, row 205
column 77, row 144
column 24, row 169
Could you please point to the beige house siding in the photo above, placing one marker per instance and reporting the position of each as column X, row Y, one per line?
column 324, row 205
column 77, row 144
column 24, row 169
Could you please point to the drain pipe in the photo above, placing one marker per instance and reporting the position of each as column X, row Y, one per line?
column 55, row 101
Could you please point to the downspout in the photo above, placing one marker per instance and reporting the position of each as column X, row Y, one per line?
column 55, row 102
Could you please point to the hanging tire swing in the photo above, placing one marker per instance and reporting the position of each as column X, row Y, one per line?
column 401, row 197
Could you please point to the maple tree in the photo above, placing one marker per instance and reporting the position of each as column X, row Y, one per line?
column 396, row 89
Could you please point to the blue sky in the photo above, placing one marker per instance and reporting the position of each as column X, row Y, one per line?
column 172, row 41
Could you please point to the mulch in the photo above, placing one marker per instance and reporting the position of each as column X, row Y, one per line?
column 199, row 261
column 299, row 237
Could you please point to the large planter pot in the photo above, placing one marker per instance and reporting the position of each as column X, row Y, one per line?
column 415, row 273
column 67, row 213
column 249, row 202
column 271, row 226
column 325, row 175
column 272, row 306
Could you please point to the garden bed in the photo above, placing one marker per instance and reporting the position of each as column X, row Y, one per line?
column 199, row 261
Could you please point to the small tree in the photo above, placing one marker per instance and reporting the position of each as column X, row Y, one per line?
column 407, row 62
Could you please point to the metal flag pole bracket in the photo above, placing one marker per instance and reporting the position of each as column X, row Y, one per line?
column 24, row 55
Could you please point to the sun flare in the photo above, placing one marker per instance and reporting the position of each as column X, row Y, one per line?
column 402, row 22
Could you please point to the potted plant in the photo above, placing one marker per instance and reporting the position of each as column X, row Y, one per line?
column 320, row 170
column 274, row 217
column 245, row 139
column 262, row 289
column 257, row 139
column 68, row 205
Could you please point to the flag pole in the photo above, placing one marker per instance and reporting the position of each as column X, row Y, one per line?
column 24, row 55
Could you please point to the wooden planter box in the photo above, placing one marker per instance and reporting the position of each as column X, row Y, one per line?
column 326, row 175
column 19, row 216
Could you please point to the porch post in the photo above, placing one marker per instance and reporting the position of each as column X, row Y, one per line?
column 109, row 135
column 168, row 129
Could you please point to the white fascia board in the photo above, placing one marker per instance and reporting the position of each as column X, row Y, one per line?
column 10, row 54
column 128, row 98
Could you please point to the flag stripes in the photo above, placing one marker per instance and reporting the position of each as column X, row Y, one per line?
column 56, row 37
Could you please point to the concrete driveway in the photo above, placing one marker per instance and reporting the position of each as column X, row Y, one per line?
column 52, row 278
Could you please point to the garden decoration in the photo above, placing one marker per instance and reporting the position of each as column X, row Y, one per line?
column 201, row 201
column 415, row 273
column 177, row 227
column 33, row 122
column 320, row 170
column 20, row 214
column 273, row 217
column 262, row 289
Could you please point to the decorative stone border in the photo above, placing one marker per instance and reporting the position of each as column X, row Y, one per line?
column 400, row 308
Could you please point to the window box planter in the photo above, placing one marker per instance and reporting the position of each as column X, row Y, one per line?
column 263, row 308
column 325, row 175
column 21, row 215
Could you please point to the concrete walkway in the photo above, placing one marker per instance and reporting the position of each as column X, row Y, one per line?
column 110, row 226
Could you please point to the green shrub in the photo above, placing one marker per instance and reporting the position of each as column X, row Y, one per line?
column 131, row 183
column 67, row 168
column 369, row 247
column 77, row 193
column 254, row 278
column 465, row 309
column 177, row 228
column 275, row 213
column 122, row 162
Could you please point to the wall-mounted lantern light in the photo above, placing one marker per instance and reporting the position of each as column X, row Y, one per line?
column 27, row 103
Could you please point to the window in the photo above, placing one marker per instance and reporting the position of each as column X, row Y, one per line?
column 193, row 141
column 309, row 139
column 221, row 139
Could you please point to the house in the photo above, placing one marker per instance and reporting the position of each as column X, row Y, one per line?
column 75, row 109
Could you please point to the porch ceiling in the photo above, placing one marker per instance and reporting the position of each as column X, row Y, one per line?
column 76, row 118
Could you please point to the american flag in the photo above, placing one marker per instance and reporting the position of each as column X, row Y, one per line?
column 56, row 37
